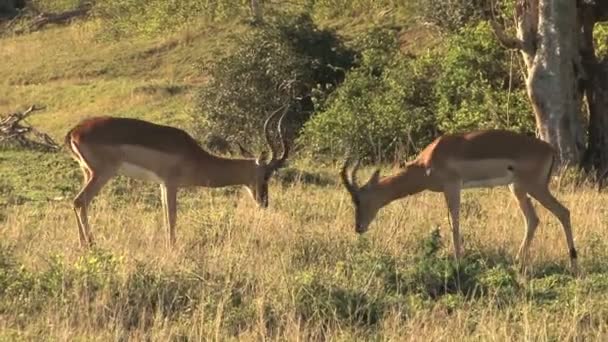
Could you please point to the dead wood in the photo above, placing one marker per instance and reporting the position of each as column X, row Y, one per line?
column 14, row 130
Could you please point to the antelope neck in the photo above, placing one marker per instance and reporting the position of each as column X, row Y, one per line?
column 215, row 171
column 411, row 180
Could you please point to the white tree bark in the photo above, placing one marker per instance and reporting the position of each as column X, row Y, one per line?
column 548, row 41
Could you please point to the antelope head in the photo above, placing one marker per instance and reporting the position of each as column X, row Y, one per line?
column 264, row 167
column 366, row 198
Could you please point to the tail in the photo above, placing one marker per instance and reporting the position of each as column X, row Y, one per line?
column 67, row 141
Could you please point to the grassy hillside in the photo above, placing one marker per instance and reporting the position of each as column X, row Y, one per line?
column 75, row 73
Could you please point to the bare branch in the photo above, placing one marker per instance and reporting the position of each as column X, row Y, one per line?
column 13, row 128
column 505, row 39
column 28, row 111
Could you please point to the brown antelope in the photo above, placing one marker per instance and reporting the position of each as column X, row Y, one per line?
column 107, row 146
column 472, row 160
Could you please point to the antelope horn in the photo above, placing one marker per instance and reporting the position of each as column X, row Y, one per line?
column 348, row 179
column 277, row 162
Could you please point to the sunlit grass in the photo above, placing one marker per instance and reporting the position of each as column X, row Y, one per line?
column 297, row 269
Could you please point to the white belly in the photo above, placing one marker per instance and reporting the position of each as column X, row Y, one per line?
column 137, row 172
column 485, row 173
column 488, row 183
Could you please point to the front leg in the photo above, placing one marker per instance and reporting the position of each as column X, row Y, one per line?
column 169, row 199
column 452, row 198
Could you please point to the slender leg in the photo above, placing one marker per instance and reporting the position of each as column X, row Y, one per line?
column 169, row 194
column 452, row 198
column 562, row 213
column 82, row 201
column 86, row 178
column 163, row 201
column 531, row 219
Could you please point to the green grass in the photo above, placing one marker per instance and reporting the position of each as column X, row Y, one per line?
column 75, row 73
column 296, row 269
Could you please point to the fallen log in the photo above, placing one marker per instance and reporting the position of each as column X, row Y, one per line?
column 15, row 131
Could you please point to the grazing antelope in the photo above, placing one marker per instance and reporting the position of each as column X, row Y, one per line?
column 108, row 146
column 472, row 160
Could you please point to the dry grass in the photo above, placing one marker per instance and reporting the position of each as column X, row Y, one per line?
column 296, row 271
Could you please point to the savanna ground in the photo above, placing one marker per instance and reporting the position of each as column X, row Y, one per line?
column 296, row 271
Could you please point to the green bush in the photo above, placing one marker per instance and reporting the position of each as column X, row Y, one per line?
column 451, row 15
column 288, row 60
column 477, row 88
column 383, row 105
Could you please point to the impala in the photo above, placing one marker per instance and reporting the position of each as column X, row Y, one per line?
column 472, row 160
column 108, row 146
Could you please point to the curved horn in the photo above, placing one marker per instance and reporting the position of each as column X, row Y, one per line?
column 349, row 179
column 274, row 161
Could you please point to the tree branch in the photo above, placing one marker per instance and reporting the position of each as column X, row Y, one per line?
column 504, row 39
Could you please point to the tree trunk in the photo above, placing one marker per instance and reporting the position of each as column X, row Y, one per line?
column 256, row 11
column 551, row 81
column 547, row 39
column 555, row 38
column 595, row 86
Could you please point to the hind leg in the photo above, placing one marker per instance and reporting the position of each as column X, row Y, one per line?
column 531, row 218
column 563, row 215
column 82, row 201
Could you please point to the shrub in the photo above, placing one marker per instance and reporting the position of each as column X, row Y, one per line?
column 283, row 60
column 384, row 104
column 473, row 87
column 451, row 15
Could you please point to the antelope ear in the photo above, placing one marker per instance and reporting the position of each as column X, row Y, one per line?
column 262, row 159
column 375, row 178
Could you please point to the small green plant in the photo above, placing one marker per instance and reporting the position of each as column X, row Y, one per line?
column 316, row 300
column 436, row 275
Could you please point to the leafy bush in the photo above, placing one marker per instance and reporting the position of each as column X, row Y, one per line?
column 383, row 105
column 279, row 62
column 473, row 88
column 451, row 15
